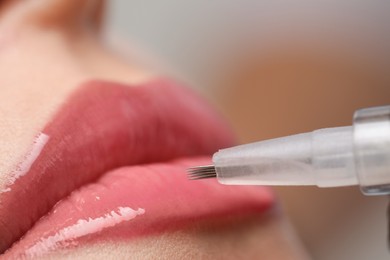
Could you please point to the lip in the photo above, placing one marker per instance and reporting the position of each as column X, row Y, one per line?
column 134, row 201
column 104, row 126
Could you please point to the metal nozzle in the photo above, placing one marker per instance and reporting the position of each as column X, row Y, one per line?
column 201, row 172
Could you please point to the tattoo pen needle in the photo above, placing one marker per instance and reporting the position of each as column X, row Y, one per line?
column 330, row 157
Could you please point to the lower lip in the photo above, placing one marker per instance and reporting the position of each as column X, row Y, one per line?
column 136, row 201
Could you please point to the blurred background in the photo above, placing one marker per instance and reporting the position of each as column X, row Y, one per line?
column 276, row 68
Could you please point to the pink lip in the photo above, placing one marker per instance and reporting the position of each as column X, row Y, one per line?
column 158, row 197
column 104, row 126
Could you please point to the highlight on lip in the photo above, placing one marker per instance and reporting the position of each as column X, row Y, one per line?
column 102, row 126
column 22, row 168
column 83, row 227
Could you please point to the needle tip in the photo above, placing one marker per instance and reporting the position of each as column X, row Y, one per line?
column 201, row 172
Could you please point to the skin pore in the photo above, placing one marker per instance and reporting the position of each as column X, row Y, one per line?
column 48, row 50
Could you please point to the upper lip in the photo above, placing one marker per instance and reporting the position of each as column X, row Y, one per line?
column 105, row 126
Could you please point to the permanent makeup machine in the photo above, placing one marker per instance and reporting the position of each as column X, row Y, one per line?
column 330, row 157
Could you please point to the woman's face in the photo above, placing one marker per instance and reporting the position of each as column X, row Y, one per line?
column 94, row 150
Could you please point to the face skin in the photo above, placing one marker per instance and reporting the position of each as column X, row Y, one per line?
column 52, row 54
